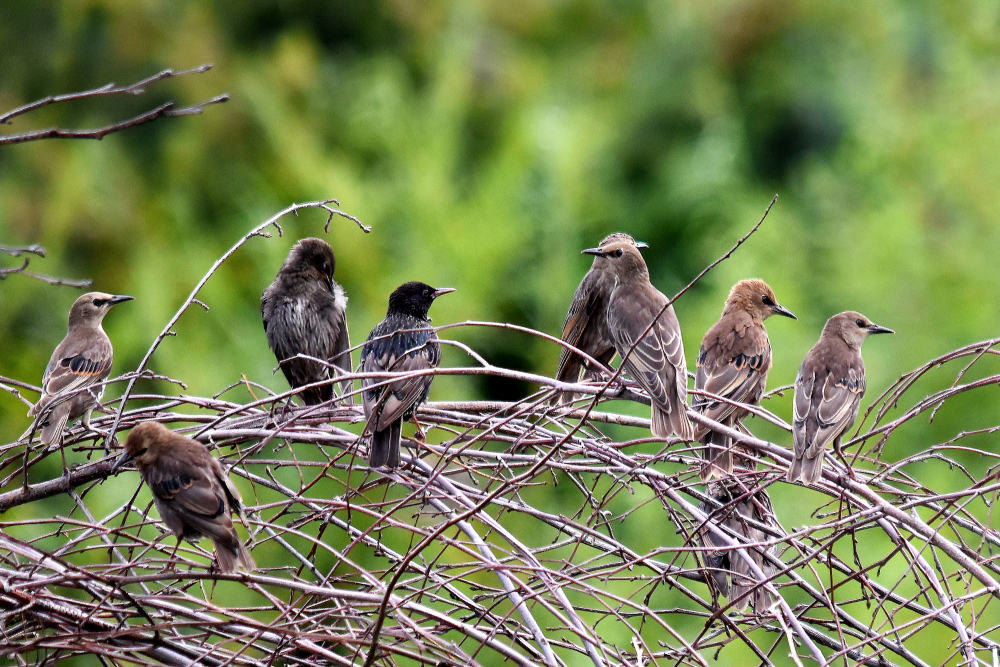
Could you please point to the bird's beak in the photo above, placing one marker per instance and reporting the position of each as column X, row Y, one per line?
column 778, row 309
column 442, row 290
column 118, row 298
column 125, row 458
column 597, row 252
column 875, row 328
column 638, row 244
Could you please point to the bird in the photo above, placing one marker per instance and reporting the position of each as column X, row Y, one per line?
column 828, row 391
column 730, row 573
column 193, row 494
column 655, row 360
column 304, row 312
column 733, row 362
column 586, row 325
column 403, row 342
column 73, row 382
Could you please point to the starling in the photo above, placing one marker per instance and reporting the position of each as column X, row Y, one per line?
column 586, row 325
column 192, row 492
column 73, row 383
column 656, row 360
column 828, row 392
column 730, row 573
column 403, row 342
column 304, row 313
column 733, row 362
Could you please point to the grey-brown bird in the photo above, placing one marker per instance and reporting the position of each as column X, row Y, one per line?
column 403, row 342
column 193, row 495
column 304, row 312
column 828, row 391
column 73, row 382
column 730, row 572
column 655, row 360
column 733, row 362
column 586, row 325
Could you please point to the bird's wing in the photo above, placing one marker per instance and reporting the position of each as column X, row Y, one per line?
column 655, row 359
column 585, row 303
column 341, row 355
column 193, row 496
column 836, row 407
column 736, row 376
column 411, row 353
column 76, row 366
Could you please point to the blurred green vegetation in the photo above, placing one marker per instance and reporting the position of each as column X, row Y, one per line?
column 487, row 143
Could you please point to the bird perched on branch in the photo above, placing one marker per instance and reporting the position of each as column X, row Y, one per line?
column 655, row 358
column 586, row 325
column 73, row 383
column 733, row 362
column 828, row 392
column 403, row 342
column 193, row 495
column 731, row 574
column 304, row 313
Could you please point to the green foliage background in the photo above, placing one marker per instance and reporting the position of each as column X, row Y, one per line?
column 487, row 143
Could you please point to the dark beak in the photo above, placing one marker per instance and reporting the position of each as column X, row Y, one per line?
column 875, row 328
column 640, row 244
column 594, row 251
column 125, row 458
column 118, row 298
column 442, row 290
column 778, row 309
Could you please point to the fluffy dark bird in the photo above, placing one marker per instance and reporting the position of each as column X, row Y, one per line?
column 733, row 362
column 304, row 313
column 72, row 385
column 828, row 392
column 586, row 325
column 730, row 573
column 403, row 342
column 657, row 360
column 192, row 493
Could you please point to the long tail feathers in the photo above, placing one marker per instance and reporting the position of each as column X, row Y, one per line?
column 233, row 556
column 676, row 422
column 384, row 446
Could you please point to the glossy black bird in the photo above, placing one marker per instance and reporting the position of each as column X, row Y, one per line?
column 733, row 362
column 657, row 360
column 304, row 313
column 193, row 494
column 586, row 325
column 72, row 385
column 403, row 342
column 730, row 573
column 828, row 392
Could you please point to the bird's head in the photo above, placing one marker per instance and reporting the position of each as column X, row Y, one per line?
column 313, row 259
column 757, row 298
column 415, row 298
column 144, row 445
column 625, row 259
column 622, row 237
column 89, row 310
column 853, row 328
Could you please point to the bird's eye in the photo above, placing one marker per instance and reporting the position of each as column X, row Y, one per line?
column 326, row 267
column 767, row 300
column 141, row 452
column 619, row 252
column 100, row 302
column 860, row 323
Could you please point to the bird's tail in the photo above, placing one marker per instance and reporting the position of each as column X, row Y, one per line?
column 806, row 469
column 231, row 554
column 53, row 430
column 384, row 446
column 675, row 422
column 718, row 456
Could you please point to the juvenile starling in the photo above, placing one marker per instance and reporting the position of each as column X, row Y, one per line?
column 403, row 342
column 733, row 362
column 192, row 493
column 730, row 573
column 657, row 360
column 304, row 313
column 586, row 325
column 828, row 392
column 73, row 381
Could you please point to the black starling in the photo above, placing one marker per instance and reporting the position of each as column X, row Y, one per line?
column 730, row 573
column 403, row 342
column 828, row 392
column 733, row 362
column 192, row 492
column 657, row 360
column 586, row 325
column 304, row 313
column 83, row 359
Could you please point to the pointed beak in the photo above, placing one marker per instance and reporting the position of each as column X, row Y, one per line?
column 597, row 252
column 778, row 309
column 125, row 458
column 442, row 290
column 118, row 298
column 875, row 328
column 639, row 244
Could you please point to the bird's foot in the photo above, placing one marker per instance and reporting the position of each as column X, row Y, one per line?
column 419, row 435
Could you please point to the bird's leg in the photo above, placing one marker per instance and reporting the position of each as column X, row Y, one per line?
column 843, row 459
column 171, row 563
column 85, row 420
column 419, row 436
